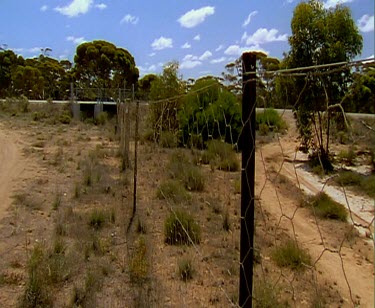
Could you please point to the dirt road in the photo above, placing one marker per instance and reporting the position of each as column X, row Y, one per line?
column 11, row 166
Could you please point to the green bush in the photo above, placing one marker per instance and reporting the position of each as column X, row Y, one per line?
column 97, row 219
column 290, row 255
column 180, row 228
column 65, row 118
column 168, row 139
column 221, row 155
column 101, row 119
column 138, row 267
column 347, row 156
column 272, row 119
column 348, row 178
column 185, row 269
column 362, row 183
column 325, row 207
column 173, row 190
column 181, row 168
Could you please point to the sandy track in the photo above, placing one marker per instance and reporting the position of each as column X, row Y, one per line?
column 11, row 166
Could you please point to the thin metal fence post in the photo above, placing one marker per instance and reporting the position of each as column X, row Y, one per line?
column 247, row 180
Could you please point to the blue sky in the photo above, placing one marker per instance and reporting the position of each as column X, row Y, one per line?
column 202, row 36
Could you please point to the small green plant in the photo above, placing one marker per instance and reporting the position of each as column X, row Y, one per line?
column 266, row 295
column 289, row 254
column 180, row 228
column 173, row 190
column 181, row 168
column 57, row 201
column 185, row 269
column 226, row 221
column 347, row 156
column 138, row 267
column 101, row 119
column 97, row 219
column 65, row 118
column 221, row 155
column 272, row 119
column 168, row 139
column 325, row 207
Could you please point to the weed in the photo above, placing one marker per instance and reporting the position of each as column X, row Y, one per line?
column 347, row 156
column 173, row 190
column 221, row 155
column 180, row 228
column 289, row 254
column 59, row 246
column 360, row 182
column 97, row 219
column 138, row 267
column 185, row 269
column 226, row 221
column 272, row 119
column 325, row 207
column 168, row 140
column 77, row 190
column 265, row 295
column 141, row 227
column 57, row 201
column 101, row 119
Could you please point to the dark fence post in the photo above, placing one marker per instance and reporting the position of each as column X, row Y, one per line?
column 247, row 179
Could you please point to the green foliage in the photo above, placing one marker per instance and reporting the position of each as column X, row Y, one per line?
column 325, row 207
column 347, row 156
column 180, row 228
column 97, row 219
column 265, row 295
column 362, row 183
column 210, row 111
column 138, row 267
column 289, row 254
column 221, row 155
column 320, row 36
column 101, row 119
column 181, row 168
column 173, row 190
column 168, row 139
column 185, row 269
column 270, row 120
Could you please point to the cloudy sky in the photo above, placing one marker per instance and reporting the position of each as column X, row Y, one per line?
column 202, row 36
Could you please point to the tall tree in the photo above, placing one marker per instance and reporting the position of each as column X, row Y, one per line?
column 100, row 64
column 321, row 36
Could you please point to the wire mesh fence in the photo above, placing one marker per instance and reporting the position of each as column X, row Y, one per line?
column 312, row 240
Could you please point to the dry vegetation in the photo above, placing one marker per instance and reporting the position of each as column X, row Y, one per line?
column 66, row 240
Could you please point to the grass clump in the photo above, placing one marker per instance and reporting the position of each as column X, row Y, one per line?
column 221, row 155
column 325, row 207
column 265, row 295
column 290, row 255
column 270, row 121
column 185, row 269
column 168, row 140
column 363, row 183
column 138, row 267
column 180, row 228
column 347, row 156
column 97, row 219
column 181, row 168
column 173, row 190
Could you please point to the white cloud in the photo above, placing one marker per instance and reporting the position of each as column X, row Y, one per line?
column 101, row 6
column 129, row 19
column 197, row 37
column 263, row 35
column 75, row 8
column 236, row 50
column 220, row 47
column 44, row 8
column 219, row 60
column 186, row 46
column 366, row 23
column 193, row 18
column 35, row 49
column 207, row 54
column 189, row 62
column 152, row 54
column 76, row 40
column 332, row 3
column 248, row 19
column 162, row 43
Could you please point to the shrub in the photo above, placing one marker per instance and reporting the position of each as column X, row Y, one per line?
column 185, row 269
column 265, row 295
column 348, row 156
column 180, row 228
column 347, row 178
column 325, row 207
column 97, row 219
column 138, row 267
column 173, row 190
column 101, row 119
column 222, row 155
column 65, row 118
column 290, row 255
column 182, row 169
column 168, row 139
column 270, row 118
